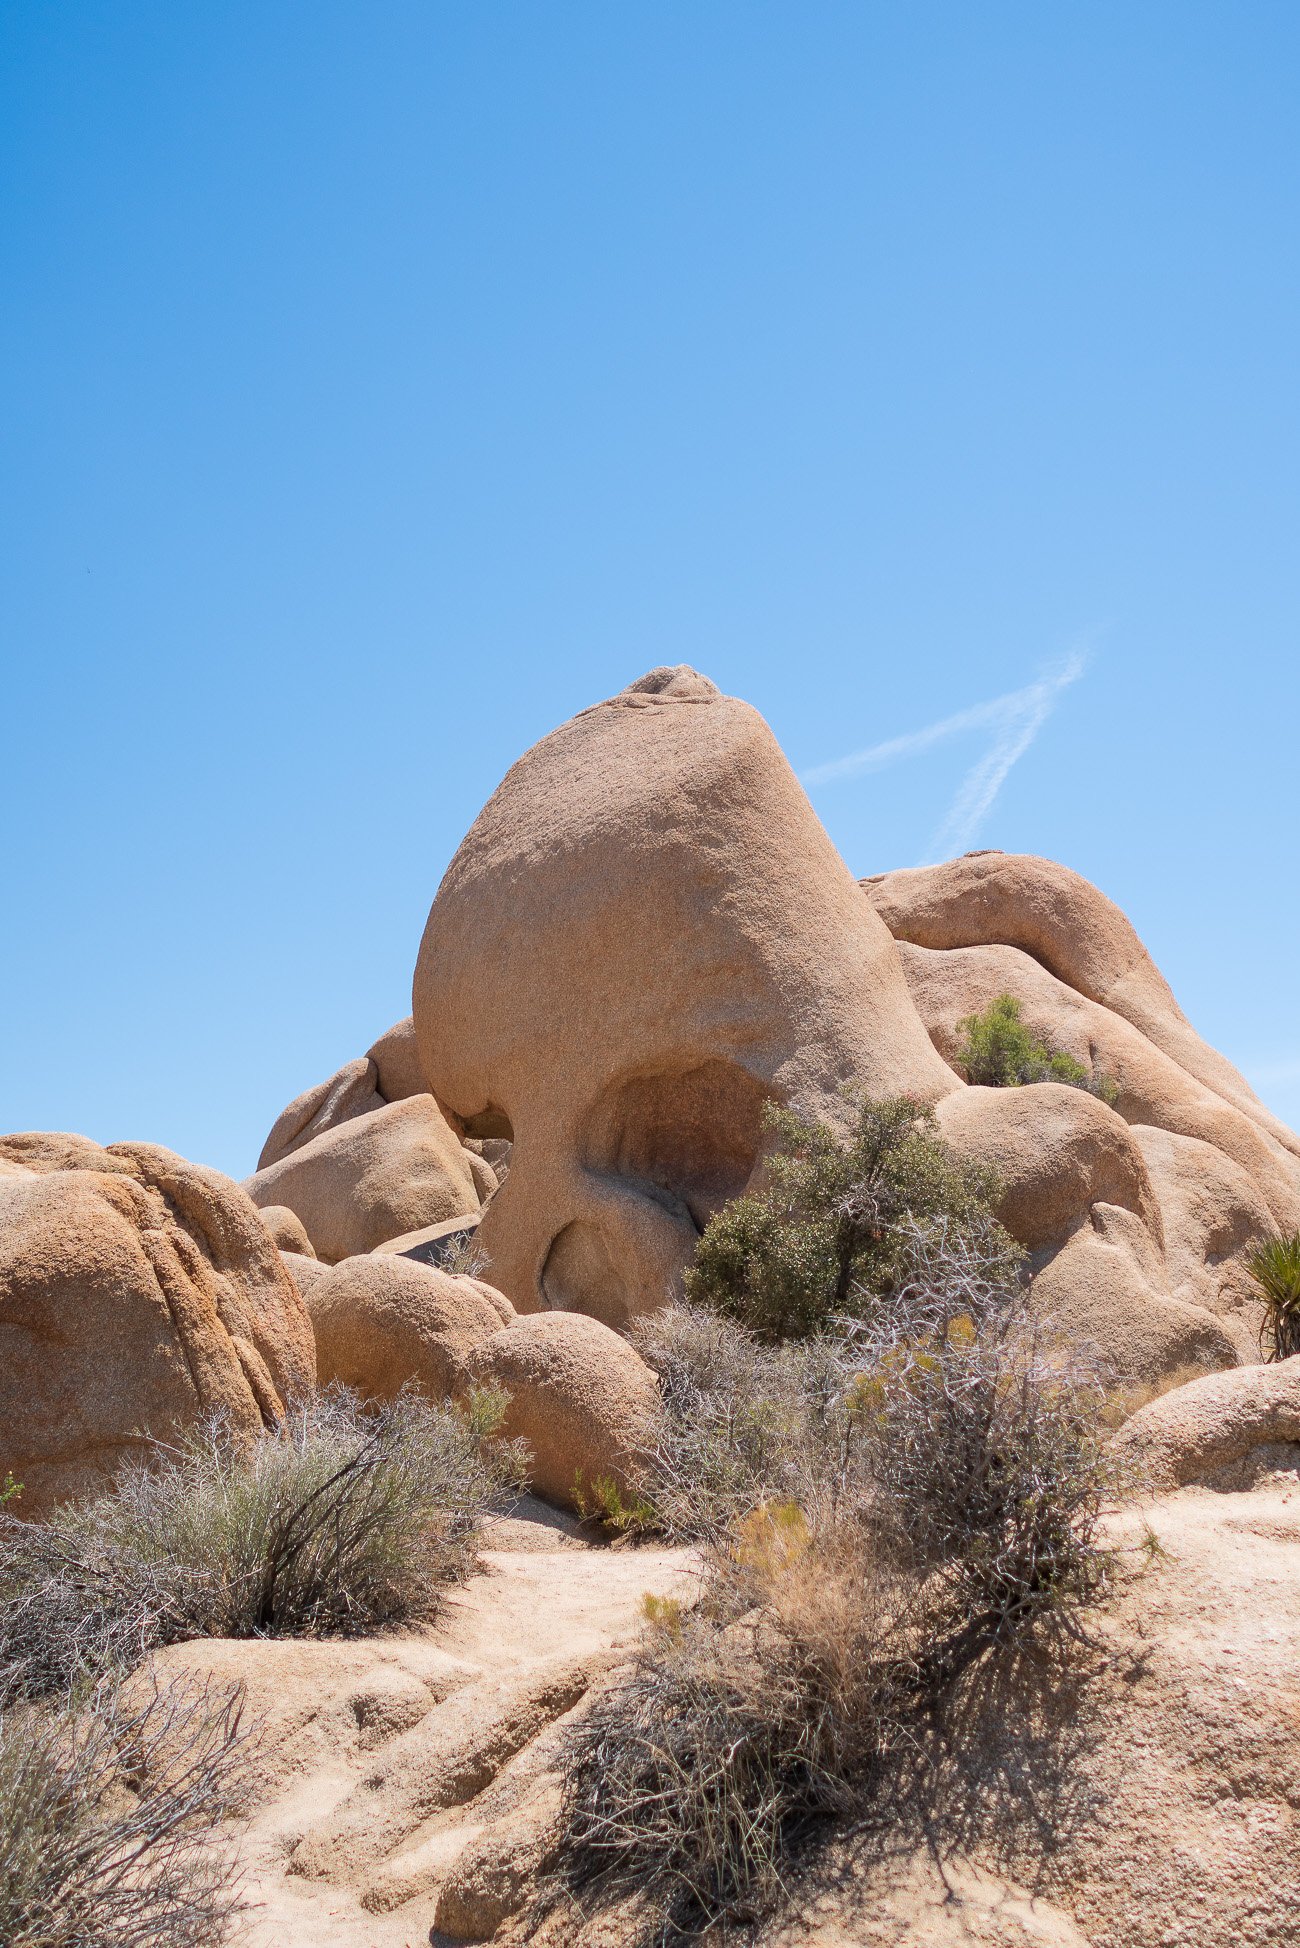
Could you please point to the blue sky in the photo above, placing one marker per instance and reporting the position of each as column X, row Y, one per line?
column 382, row 383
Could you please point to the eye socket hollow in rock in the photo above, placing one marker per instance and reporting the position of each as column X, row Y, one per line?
column 692, row 1132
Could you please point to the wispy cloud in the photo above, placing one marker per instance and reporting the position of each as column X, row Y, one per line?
column 1014, row 720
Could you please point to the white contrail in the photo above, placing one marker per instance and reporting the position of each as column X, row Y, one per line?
column 914, row 742
column 1016, row 719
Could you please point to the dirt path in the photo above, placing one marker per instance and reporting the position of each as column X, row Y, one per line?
column 390, row 1771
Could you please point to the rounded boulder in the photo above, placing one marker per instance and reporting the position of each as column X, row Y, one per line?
column 395, row 1169
column 1056, row 1151
column 286, row 1227
column 382, row 1322
column 1195, row 1430
column 137, row 1292
column 580, row 1395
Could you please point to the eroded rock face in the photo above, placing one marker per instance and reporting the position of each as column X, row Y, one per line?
column 1220, row 1169
column 137, row 1291
column 1106, row 1289
column 645, row 936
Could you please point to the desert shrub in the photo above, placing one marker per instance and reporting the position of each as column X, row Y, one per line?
column 461, row 1255
column 680, row 1777
column 743, row 1420
column 337, row 1521
column 1000, row 1053
column 825, row 1234
column 933, row 1479
column 987, row 1457
column 1275, row 1268
column 108, row 1818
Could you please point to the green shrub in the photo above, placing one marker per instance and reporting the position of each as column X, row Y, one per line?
column 1275, row 1268
column 921, row 1509
column 617, row 1511
column 108, row 1820
column 1000, row 1053
column 823, row 1237
column 339, row 1520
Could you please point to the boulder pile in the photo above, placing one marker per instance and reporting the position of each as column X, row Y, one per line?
column 645, row 938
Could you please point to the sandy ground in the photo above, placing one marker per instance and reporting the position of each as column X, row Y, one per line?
column 378, row 1760
column 396, row 1772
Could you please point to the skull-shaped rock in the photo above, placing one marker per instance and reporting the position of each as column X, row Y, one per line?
column 646, row 935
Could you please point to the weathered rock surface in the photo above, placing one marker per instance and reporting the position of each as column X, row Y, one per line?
column 137, row 1291
column 580, row 1395
column 1105, row 1290
column 918, row 1897
column 645, row 936
column 388, row 1072
column 404, row 1787
column 383, row 1321
column 1214, row 1217
column 1160, row 1810
column 1195, row 1431
column 393, row 1169
column 305, row 1272
column 432, row 1243
column 286, row 1227
column 494, row 1875
column 1056, row 917
column 397, row 1063
column 400, row 1779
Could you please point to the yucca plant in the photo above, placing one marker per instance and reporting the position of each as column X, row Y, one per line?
column 1275, row 1268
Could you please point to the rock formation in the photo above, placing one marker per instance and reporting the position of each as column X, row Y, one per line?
column 137, row 1291
column 644, row 939
column 645, row 936
column 392, row 1169
column 406, row 1784
column 1223, row 1170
